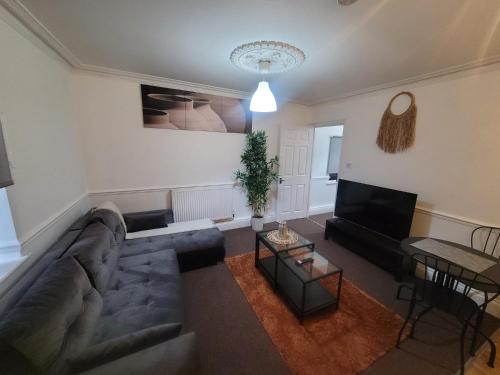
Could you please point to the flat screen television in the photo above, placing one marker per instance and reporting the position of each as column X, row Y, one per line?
column 382, row 210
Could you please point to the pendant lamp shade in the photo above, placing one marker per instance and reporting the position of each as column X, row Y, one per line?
column 263, row 99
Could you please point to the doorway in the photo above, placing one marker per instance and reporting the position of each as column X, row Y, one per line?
column 325, row 167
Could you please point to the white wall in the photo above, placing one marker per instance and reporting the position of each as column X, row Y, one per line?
column 454, row 163
column 323, row 191
column 136, row 166
column 40, row 129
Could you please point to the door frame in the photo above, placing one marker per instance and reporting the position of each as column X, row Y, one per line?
column 338, row 122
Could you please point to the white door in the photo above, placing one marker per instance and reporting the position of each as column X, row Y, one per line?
column 295, row 164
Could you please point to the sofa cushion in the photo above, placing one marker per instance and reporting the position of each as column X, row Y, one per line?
column 55, row 318
column 108, row 205
column 110, row 350
column 194, row 249
column 111, row 220
column 178, row 356
column 144, row 292
column 96, row 250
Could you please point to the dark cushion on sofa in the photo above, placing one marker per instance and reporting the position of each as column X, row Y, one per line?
column 55, row 318
column 96, row 250
column 194, row 249
column 139, row 221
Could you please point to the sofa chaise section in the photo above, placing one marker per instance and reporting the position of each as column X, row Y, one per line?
column 194, row 249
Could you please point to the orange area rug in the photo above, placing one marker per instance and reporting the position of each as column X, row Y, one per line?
column 342, row 342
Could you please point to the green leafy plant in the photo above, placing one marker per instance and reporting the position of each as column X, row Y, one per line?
column 258, row 174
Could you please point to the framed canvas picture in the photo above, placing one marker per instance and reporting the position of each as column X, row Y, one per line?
column 165, row 108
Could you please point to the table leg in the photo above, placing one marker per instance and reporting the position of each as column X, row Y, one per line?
column 341, row 276
column 276, row 272
column 257, row 246
column 303, row 303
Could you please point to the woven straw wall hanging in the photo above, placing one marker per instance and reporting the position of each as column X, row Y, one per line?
column 397, row 132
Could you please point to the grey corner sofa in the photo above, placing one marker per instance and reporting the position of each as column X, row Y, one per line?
column 96, row 303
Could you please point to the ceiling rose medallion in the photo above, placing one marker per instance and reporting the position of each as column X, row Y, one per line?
column 266, row 57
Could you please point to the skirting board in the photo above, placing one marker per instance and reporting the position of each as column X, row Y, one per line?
column 317, row 210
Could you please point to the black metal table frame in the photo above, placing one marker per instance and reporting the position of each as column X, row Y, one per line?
column 269, row 246
column 406, row 245
column 274, row 278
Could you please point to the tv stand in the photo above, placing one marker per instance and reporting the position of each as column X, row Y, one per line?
column 377, row 248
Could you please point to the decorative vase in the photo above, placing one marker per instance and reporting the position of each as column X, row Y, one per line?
column 155, row 118
column 283, row 230
column 234, row 115
column 214, row 121
column 257, row 223
column 182, row 112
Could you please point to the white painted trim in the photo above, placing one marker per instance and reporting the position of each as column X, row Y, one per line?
column 20, row 12
column 453, row 218
column 50, row 222
column 472, row 65
column 155, row 189
column 28, row 19
column 9, row 248
column 323, row 209
column 162, row 81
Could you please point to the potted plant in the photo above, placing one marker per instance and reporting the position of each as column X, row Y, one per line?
column 257, row 176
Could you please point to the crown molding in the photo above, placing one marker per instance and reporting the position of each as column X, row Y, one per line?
column 28, row 19
column 476, row 64
column 162, row 81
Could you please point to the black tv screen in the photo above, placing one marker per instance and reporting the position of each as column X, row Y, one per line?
column 383, row 210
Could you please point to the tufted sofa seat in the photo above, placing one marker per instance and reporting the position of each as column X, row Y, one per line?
column 96, row 309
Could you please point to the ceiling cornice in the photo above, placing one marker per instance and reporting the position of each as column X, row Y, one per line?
column 479, row 63
column 28, row 19
column 162, row 81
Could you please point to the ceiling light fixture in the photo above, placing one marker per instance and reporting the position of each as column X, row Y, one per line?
column 346, row 2
column 263, row 99
column 266, row 57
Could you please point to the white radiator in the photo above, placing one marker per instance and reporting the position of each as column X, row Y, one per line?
column 207, row 202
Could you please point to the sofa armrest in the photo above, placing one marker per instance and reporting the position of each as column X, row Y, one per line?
column 138, row 221
column 122, row 346
column 173, row 357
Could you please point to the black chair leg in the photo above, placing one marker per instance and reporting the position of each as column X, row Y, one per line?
column 493, row 353
column 408, row 316
column 479, row 321
column 425, row 311
column 462, row 349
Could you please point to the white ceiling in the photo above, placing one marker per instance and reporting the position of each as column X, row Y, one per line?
column 370, row 43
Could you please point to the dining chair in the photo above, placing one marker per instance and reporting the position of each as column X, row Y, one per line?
column 442, row 285
column 487, row 240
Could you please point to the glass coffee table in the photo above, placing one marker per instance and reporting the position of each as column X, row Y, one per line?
column 300, row 285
